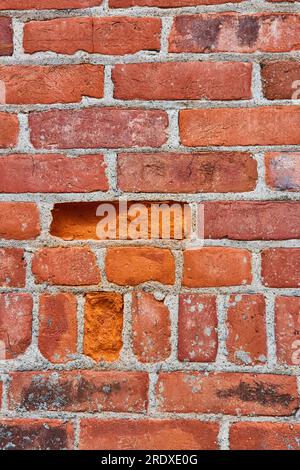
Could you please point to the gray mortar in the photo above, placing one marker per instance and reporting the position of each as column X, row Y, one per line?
column 32, row 359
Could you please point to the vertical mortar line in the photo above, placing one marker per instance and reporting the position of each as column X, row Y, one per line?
column 110, row 159
column 24, row 144
column 5, row 389
column 256, row 269
column 178, row 259
column 35, row 320
column 166, row 26
column 172, row 303
column 76, row 433
column 223, row 436
column 18, row 33
column 80, row 322
column 152, row 401
column 222, row 302
column 101, row 255
column 174, row 136
column 270, row 330
column 257, row 90
column 108, row 84
column 45, row 210
column 127, row 354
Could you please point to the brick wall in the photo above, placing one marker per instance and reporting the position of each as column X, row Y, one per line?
column 149, row 343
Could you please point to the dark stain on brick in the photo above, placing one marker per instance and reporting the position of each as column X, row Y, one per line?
column 248, row 30
column 28, row 437
column 261, row 393
column 58, row 394
column 204, row 32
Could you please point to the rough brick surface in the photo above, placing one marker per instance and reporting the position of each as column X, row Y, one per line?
column 15, row 324
column 58, row 327
column 148, row 435
column 52, row 173
column 19, row 221
column 151, row 328
column 79, row 391
column 197, row 328
column 36, row 434
column 186, row 173
column 149, row 224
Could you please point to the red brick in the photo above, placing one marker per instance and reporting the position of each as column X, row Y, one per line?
column 19, row 220
column 168, row 81
column 15, row 324
column 53, row 173
column 9, row 130
column 166, row 3
column 99, row 127
column 246, row 325
column 81, row 220
column 269, row 125
column 216, row 267
column 12, row 267
column 243, row 220
column 147, row 434
column 115, row 36
column 234, row 32
column 283, row 171
column 47, row 4
column 66, row 266
column 227, row 393
column 197, row 328
column 281, row 80
column 135, row 265
column 186, row 173
column 36, row 434
column 6, row 36
column 281, row 267
column 84, row 390
column 287, row 329
column 103, row 326
column 51, row 84
column 265, row 436
column 151, row 328
column 58, row 327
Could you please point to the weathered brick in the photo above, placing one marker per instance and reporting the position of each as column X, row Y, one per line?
column 243, row 220
column 99, row 127
column 9, row 129
column 12, row 267
column 84, row 390
column 287, row 330
column 216, row 267
column 151, row 328
column 234, row 32
column 47, row 4
column 135, row 265
column 246, row 326
column 15, row 324
column 79, row 220
column 36, row 434
column 281, row 80
column 19, row 220
column 276, row 125
column 168, row 81
column 51, row 84
column 103, row 325
column 66, row 266
column 148, row 434
column 58, row 327
column 6, row 36
column 281, row 267
column 283, row 171
column 227, row 393
column 197, row 328
column 52, row 173
column 115, row 36
column 186, row 173
column 264, row 436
